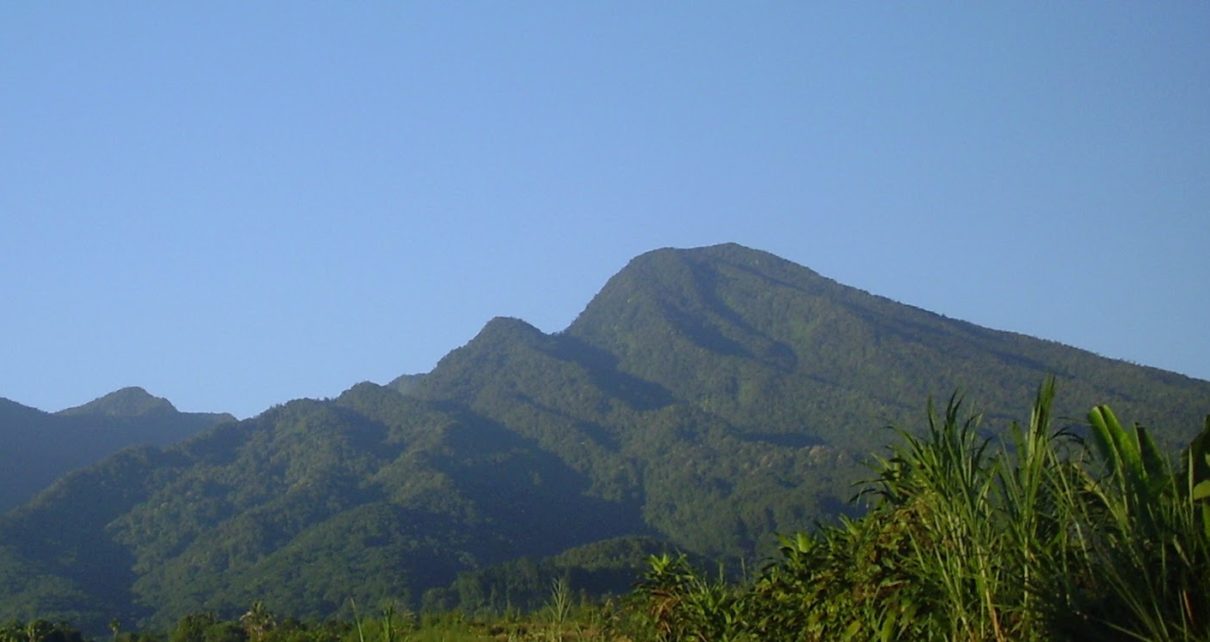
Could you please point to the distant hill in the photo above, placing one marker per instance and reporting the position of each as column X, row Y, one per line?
column 704, row 399
column 127, row 402
column 40, row 447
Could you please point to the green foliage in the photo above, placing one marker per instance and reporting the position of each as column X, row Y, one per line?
column 853, row 581
column 708, row 399
column 1148, row 543
column 597, row 570
column 1197, row 474
column 1031, row 541
column 38, row 630
column 684, row 605
column 258, row 622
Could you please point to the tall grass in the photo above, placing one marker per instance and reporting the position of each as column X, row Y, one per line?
column 1045, row 539
column 946, row 480
column 1038, row 536
column 1150, row 533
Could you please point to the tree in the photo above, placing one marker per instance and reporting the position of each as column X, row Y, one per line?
column 257, row 622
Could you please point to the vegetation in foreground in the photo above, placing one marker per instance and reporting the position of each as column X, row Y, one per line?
column 1041, row 538
column 1048, row 536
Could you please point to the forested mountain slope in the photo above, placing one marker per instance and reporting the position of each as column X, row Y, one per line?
column 39, row 447
column 733, row 329
column 706, row 397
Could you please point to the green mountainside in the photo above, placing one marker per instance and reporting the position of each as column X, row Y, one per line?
column 40, row 447
column 705, row 399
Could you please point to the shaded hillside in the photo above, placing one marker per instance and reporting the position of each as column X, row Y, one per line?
column 708, row 398
column 40, row 447
column 305, row 506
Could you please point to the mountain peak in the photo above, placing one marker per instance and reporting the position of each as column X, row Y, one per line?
column 497, row 337
column 668, row 289
column 508, row 328
column 733, row 254
column 131, row 401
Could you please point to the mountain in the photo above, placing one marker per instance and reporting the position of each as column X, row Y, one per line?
column 705, row 398
column 40, row 447
column 127, row 402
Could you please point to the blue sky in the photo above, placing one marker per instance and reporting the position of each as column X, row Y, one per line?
column 235, row 204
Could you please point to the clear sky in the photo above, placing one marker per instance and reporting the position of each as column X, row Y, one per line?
column 235, row 204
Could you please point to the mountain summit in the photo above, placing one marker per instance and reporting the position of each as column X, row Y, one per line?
column 40, row 447
column 708, row 398
column 734, row 328
column 127, row 402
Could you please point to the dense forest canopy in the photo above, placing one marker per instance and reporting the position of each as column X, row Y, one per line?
column 705, row 400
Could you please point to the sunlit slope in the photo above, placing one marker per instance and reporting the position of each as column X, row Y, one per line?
column 708, row 398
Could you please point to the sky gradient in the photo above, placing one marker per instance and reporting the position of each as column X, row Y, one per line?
column 236, row 204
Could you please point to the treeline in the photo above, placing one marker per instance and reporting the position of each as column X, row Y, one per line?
column 562, row 617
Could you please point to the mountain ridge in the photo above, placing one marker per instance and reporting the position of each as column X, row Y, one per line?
column 709, row 398
column 43, row 446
